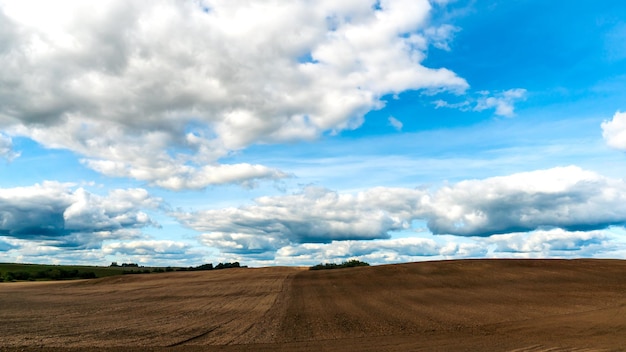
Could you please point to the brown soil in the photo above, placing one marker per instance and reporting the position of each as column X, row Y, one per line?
column 466, row 305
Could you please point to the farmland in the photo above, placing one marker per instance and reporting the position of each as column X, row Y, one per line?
column 465, row 305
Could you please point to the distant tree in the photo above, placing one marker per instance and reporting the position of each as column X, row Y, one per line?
column 18, row 276
column 88, row 275
column 208, row 266
column 55, row 274
column 228, row 265
column 9, row 276
column 130, row 265
column 347, row 264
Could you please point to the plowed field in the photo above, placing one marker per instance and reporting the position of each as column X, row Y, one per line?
column 467, row 305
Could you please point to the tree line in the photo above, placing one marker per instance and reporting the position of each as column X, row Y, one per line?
column 47, row 274
column 346, row 264
column 202, row 267
column 32, row 272
column 210, row 266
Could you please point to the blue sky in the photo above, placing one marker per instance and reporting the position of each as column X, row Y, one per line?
column 298, row 132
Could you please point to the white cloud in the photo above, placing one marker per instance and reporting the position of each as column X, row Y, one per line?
column 547, row 243
column 463, row 106
column 503, row 103
column 61, row 215
column 148, row 252
column 177, row 85
column 395, row 123
column 378, row 251
column 556, row 212
column 535, row 244
column 145, row 252
column 315, row 215
column 442, row 35
column 382, row 251
column 243, row 243
column 566, row 198
column 6, row 148
column 48, row 252
column 614, row 131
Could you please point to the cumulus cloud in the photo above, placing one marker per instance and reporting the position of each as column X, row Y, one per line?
column 144, row 251
column 535, row 244
column 314, row 215
column 566, row 198
column 48, row 252
column 383, row 251
column 152, row 251
column 545, row 243
column 344, row 249
column 244, row 243
column 614, row 131
column 178, row 85
column 73, row 217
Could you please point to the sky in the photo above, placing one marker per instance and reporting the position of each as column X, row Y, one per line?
column 183, row 132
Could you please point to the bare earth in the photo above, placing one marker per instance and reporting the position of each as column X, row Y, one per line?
column 466, row 305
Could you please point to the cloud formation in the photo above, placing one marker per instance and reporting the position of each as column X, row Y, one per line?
column 566, row 198
column 178, row 85
column 552, row 212
column 503, row 103
column 150, row 251
column 390, row 250
column 6, row 148
column 316, row 215
column 72, row 217
column 614, row 131
column 554, row 243
column 547, row 242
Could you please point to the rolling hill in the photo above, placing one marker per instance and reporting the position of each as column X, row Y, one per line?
column 463, row 305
